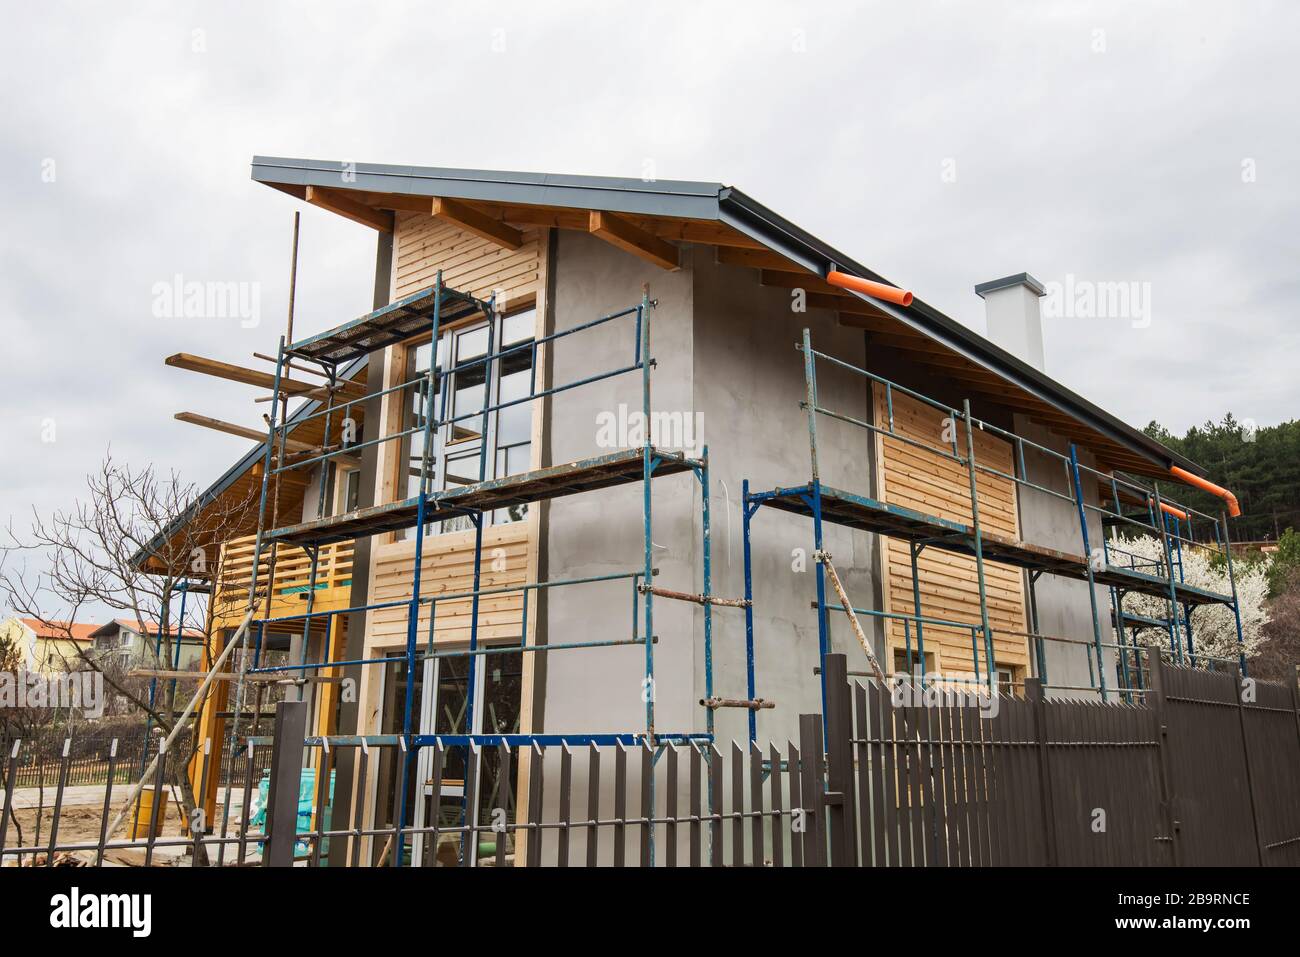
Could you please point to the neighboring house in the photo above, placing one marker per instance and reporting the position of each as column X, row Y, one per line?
column 735, row 285
column 124, row 643
column 47, row 646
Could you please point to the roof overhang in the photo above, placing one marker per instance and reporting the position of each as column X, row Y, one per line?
column 413, row 188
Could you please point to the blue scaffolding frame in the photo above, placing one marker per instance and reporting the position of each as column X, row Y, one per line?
column 429, row 311
column 1165, row 520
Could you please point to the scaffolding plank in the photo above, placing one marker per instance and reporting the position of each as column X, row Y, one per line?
column 395, row 322
column 866, row 514
column 616, row 468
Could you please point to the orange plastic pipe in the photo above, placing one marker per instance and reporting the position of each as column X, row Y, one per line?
column 1234, row 509
column 1175, row 512
column 877, row 290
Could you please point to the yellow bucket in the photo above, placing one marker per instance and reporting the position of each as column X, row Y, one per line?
column 144, row 816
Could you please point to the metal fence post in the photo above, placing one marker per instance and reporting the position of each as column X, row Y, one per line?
column 1238, row 693
column 286, row 780
column 1038, row 708
column 839, row 763
column 1156, row 702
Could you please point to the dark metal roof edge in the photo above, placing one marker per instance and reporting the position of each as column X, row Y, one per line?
column 698, row 200
column 779, row 233
column 639, row 197
column 254, row 455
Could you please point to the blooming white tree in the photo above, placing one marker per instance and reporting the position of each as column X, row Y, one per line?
column 1214, row 630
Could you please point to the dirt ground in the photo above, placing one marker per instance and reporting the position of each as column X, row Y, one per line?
column 80, row 824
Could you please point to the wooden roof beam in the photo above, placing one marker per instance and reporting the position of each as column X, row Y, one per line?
column 631, row 238
column 757, row 259
column 337, row 201
column 260, row 379
column 478, row 223
column 244, row 432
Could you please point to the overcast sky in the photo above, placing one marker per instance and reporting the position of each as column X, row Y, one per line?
column 941, row 144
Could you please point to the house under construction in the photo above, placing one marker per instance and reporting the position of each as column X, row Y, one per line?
column 622, row 461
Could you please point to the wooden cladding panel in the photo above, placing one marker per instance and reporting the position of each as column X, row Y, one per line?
column 928, row 482
column 425, row 244
column 448, row 568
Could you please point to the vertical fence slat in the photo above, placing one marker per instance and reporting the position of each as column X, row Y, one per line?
column 670, row 806
column 593, row 805
column 778, row 828
column 737, row 806
column 647, row 828
column 620, row 806
column 536, row 796
column 813, row 788
column 715, row 806
column 104, row 819
column 798, row 816
column 862, row 749
column 566, row 809
column 696, row 808
column 500, row 819
column 758, row 856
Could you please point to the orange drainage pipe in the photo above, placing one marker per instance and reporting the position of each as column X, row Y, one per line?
column 1234, row 509
column 1175, row 512
column 877, row 290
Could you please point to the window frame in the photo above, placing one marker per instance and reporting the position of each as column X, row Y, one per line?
column 445, row 449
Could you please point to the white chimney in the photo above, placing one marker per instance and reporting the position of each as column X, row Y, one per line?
column 1015, row 320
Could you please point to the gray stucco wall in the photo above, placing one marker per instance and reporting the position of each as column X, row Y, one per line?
column 737, row 367
column 725, row 347
column 1063, row 607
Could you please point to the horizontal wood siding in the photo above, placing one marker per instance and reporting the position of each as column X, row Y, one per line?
column 448, row 568
column 930, row 483
column 425, row 244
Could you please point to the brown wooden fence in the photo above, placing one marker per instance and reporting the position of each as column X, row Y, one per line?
column 1204, row 771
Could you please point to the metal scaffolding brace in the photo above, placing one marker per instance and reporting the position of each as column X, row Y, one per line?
column 826, row 505
column 428, row 312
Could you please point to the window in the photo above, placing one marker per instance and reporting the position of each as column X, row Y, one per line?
column 498, row 683
column 461, row 454
column 352, row 491
column 902, row 666
column 1007, row 680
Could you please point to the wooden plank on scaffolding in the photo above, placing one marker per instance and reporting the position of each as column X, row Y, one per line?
column 260, row 378
column 242, row 431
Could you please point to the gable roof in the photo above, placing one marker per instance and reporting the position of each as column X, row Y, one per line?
column 59, row 630
column 117, row 624
column 696, row 211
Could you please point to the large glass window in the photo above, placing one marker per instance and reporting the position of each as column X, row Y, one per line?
column 458, row 456
column 498, row 682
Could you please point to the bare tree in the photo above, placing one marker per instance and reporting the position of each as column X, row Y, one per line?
column 129, row 545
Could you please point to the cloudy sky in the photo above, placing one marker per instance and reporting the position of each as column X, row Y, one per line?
column 941, row 143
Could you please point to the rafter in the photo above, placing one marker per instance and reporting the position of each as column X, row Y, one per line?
column 339, row 202
column 244, row 432
column 480, row 224
column 633, row 239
